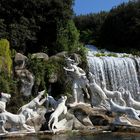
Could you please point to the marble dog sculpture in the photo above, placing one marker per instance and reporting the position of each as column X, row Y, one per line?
column 35, row 103
column 14, row 119
column 79, row 79
column 4, row 98
column 131, row 102
column 54, row 103
column 130, row 112
column 115, row 95
column 61, row 108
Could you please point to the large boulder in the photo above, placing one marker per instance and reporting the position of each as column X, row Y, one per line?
column 40, row 55
column 91, row 116
column 20, row 61
column 26, row 79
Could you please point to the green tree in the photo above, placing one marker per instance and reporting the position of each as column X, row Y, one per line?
column 31, row 25
column 121, row 29
column 68, row 37
column 89, row 26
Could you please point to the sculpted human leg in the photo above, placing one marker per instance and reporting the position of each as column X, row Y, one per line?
column 75, row 95
column 2, row 123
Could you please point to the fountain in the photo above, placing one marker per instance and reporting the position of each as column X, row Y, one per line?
column 111, row 86
column 116, row 72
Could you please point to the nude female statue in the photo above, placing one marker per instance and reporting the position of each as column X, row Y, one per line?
column 98, row 97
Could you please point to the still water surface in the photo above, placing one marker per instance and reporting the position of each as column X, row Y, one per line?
column 107, row 136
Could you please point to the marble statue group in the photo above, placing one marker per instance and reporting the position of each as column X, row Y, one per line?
column 121, row 102
column 30, row 110
column 83, row 86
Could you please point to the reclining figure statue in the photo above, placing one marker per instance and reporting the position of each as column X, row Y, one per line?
column 61, row 108
column 79, row 80
column 115, row 95
column 33, row 104
column 14, row 119
column 130, row 112
column 98, row 96
column 4, row 98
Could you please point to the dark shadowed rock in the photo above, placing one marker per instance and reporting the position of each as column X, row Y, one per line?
column 76, row 57
column 91, row 116
column 20, row 61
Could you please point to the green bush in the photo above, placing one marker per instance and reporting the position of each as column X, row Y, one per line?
column 37, row 67
column 5, row 57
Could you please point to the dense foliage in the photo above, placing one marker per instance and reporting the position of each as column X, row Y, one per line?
column 89, row 27
column 5, row 57
column 47, row 26
column 37, row 26
column 117, row 30
column 121, row 29
column 33, row 25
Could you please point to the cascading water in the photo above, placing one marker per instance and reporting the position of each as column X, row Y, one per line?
column 116, row 72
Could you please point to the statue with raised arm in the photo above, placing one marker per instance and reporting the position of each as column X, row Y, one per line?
column 79, row 80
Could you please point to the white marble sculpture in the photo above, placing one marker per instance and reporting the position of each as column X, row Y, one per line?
column 98, row 97
column 61, row 108
column 14, row 119
column 4, row 98
column 115, row 95
column 53, row 103
column 120, row 120
column 79, row 80
column 34, row 104
column 130, row 101
column 50, row 100
column 129, row 111
column 27, row 81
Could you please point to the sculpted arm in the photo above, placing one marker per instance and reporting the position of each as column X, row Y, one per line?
column 67, row 69
column 65, row 110
column 79, row 70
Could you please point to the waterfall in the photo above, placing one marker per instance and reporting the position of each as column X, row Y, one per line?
column 116, row 72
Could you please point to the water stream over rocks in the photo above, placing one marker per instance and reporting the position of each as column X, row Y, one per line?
column 116, row 72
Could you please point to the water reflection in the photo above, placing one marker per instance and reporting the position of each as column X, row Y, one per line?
column 107, row 136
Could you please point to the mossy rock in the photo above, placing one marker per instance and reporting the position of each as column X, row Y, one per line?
column 5, row 56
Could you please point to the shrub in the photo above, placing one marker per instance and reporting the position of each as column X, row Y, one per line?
column 5, row 56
